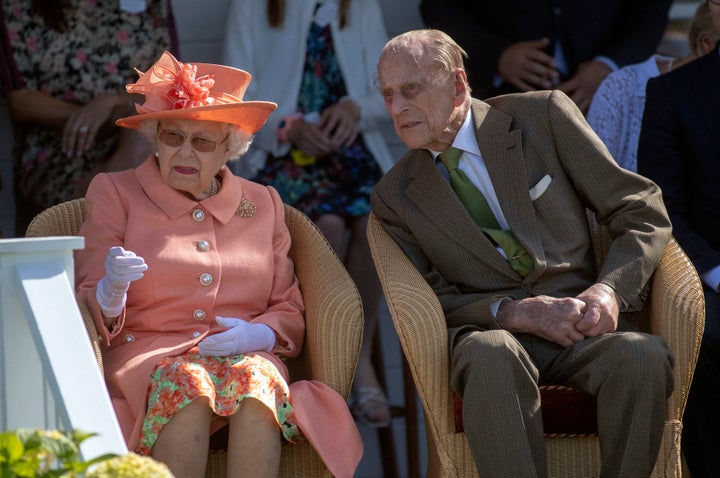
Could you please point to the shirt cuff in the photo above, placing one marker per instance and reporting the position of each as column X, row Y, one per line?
column 494, row 306
column 609, row 62
column 711, row 278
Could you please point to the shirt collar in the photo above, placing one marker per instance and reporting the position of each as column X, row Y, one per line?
column 465, row 138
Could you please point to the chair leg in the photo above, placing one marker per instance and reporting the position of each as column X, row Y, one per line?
column 411, row 422
column 408, row 411
column 385, row 435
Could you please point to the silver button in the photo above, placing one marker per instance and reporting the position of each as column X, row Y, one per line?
column 206, row 279
column 199, row 314
column 195, row 334
column 203, row 246
column 198, row 215
column 129, row 338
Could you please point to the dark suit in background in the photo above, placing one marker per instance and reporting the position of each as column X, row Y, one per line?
column 679, row 149
column 625, row 31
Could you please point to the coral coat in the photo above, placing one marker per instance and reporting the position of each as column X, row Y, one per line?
column 173, row 306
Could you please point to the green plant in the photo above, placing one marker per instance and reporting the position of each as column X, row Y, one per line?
column 130, row 466
column 44, row 454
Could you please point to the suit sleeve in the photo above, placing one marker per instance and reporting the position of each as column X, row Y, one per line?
column 637, row 32
column 662, row 157
column 284, row 313
column 103, row 229
column 629, row 205
column 483, row 47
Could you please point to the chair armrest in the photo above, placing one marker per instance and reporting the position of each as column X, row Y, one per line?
column 92, row 332
column 420, row 324
column 677, row 313
column 333, row 309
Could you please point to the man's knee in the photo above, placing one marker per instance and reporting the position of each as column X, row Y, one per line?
column 478, row 355
column 648, row 356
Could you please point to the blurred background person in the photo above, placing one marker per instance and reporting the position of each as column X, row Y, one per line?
column 64, row 68
column 525, row 45
column 322, row 149
column 617, row 108
column 679, row 150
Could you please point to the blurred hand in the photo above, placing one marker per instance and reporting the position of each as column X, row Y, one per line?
column 548, row 317
column 601, row 314
column 83, row 125
column 526, row 66
column 310, row 139
column 585, row 82
column 340, row 122
column 240, row 337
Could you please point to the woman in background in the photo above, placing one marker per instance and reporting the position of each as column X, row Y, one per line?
column 617, row 108
column 323, row 149
column 64, row 68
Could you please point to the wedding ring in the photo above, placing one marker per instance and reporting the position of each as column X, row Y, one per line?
column 83, row 129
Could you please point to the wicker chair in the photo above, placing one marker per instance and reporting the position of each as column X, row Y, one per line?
column 674, row 310
column 333, row 316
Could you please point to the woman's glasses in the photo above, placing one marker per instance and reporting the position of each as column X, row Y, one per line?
column 200, row 144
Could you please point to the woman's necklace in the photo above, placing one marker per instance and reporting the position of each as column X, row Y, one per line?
column 214, row 186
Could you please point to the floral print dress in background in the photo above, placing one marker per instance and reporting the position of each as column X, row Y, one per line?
column 96, row 54
column 341, row 182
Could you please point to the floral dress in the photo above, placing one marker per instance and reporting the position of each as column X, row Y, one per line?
column 225, row 381
column 341, row 182
column 95, row 55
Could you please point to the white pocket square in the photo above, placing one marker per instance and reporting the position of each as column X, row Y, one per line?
column 537, row 190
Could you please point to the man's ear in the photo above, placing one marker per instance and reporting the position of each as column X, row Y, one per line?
column 462, row 89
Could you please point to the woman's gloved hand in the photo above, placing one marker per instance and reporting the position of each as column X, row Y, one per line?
column 121, row 268
column 240, row 337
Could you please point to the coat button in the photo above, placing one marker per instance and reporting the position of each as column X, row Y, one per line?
column 206, row 279
column 195, row 334
column 203, row 246
column 199, row 314
column 198, row 215
column 129, row 338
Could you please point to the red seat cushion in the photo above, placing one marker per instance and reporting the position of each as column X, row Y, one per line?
column 565, row 411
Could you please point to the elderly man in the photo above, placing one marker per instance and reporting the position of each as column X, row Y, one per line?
column 490, row 205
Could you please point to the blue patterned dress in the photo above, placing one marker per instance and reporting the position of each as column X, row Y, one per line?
column 341, row 182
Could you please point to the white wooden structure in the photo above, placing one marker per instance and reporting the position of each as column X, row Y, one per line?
column 49, row 377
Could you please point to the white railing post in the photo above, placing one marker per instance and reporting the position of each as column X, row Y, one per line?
column 49, row 377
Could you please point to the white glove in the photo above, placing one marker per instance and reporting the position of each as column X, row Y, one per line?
column 121, row 268
column 240, row 337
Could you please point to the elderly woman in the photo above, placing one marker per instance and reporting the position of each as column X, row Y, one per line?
column 187, row 274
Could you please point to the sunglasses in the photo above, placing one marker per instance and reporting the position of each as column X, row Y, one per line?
column 198, row 143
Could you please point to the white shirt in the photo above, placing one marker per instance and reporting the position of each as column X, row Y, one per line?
column 473, row 165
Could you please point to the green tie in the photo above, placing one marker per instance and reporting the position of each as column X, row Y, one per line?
column 479, row 209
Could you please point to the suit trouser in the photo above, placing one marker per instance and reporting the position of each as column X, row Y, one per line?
column 497, row 373
column 701, row 422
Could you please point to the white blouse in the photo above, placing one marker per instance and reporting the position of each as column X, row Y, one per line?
column 617, row 108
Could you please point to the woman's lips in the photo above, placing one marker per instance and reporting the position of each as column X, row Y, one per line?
column 185, row 170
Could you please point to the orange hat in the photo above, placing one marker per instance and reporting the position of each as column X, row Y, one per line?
column 200, row 91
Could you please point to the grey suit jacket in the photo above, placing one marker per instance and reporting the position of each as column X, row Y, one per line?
column 523, row 138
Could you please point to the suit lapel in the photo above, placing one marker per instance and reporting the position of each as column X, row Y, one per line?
column 502, row 152
column 434, row 197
